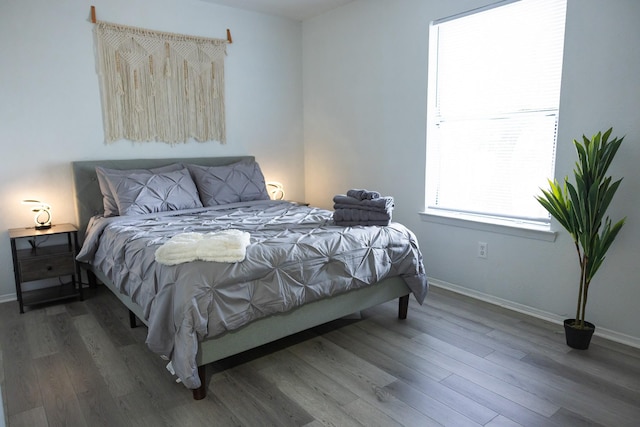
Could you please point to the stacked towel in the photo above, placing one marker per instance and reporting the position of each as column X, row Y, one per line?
column 381, row 204
column 360, row 217
column 220, row 246
column 362, row 207
column 363, row 194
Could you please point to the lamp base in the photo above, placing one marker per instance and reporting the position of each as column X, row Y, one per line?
column 43, row 227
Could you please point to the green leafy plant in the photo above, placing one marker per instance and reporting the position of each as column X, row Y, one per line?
column 581, row 208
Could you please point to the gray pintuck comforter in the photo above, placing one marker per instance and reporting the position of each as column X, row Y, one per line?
column 296, row 255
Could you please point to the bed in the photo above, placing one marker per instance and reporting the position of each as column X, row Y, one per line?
column 296, row 270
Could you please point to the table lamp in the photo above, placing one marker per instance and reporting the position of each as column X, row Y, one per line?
column 42, row 211
column 275, row 190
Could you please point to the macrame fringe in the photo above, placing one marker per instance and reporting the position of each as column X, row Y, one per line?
column 160, row 86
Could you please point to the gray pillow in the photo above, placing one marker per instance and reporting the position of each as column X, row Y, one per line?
column 145, row 192
column 239, row 182
column 114, row 176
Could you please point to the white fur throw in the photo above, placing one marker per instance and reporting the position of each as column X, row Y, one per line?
column 219, row 246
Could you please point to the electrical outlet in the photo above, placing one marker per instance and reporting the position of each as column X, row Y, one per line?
column 483, row 249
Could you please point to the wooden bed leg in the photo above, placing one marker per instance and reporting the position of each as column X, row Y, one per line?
column 403, row 307
column 91, row 278
column 201, row 392
column 133, row 321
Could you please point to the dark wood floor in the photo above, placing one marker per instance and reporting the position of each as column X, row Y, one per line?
column 454, row 362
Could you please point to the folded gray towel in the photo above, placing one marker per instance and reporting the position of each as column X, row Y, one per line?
column 363, row 194
column 381, row 204
column 360, row 215
column 362, row 223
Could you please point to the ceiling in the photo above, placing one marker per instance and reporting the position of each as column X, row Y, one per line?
column 298, row 10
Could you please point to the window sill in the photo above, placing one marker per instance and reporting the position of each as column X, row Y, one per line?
column 493, row 225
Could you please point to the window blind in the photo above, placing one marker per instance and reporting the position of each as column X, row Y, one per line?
column 493, row 108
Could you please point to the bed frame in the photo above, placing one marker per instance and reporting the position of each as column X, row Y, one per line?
column 89, row 203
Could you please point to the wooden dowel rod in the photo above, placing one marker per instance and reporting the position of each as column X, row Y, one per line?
column 93, row 19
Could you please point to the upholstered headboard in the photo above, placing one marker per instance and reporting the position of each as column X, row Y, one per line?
column 87, row 193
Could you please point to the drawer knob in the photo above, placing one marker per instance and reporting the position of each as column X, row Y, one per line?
column 49, row 268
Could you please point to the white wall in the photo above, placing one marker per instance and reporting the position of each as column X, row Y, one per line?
column 50, row 105
column 365, row 70
column 360, row 73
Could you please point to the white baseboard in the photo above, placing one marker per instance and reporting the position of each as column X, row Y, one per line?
column 531, row 311
column 8, row 298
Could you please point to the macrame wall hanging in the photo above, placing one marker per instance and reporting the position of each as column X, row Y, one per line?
column 159, row 86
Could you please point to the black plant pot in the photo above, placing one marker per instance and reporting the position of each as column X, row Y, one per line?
column 578, row 338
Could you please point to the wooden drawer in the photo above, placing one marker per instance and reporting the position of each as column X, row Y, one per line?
column 46, row 266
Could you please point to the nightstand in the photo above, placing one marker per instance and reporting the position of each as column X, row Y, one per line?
column 44, row 262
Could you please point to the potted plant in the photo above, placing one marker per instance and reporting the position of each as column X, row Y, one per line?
column 580, row 208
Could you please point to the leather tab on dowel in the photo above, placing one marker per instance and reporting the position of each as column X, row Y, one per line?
column 229, row 39
column 93, row 14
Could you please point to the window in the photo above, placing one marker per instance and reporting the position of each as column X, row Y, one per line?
column 494, row 93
